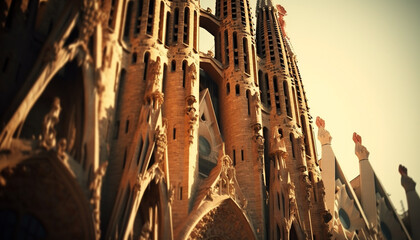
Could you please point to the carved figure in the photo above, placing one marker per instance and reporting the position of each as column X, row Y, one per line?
column 192, row 116
column 153, row 83
column 278, row 146
column 95, row 186
column 361, row 152
column 50, row 120
column 191, row 74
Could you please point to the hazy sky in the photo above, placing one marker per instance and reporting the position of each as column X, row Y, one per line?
column 360, row 65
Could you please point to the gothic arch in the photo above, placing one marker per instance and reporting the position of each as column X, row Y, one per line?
column 218, row 219
column 42, row 187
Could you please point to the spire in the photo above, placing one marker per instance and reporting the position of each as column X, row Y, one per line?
column 264, row 3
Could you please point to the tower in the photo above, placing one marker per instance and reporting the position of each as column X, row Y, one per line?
column 292, row 172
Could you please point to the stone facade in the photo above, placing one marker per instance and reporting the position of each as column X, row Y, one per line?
column 115, row 126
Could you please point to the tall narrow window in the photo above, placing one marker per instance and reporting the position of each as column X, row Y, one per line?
column 174, row 133
column 235, row 49
column 173, row 65
column 127, row 125
column 287, row 98
column 233, row 5
column 254, row 64
column 262, row 87
column 184, row 72
column 128, row 20
column 305, row 135
column 180, row 193
column 227, row 88
column 296, row 106
column 237, row 91
column 112, row 11
column 168, row 19
column 195, row 30
column 165, row 77
column 226, row 48
column 276, row 95
column 248, row 99
column 242, row 155
column 138, row 17
column 243, row 19
column 267, row 88
column 161, row 14
column 176, row 22
column 234, row 157
column 292, row 144
column 134, row 58
column 146, row 64
column 150, row 17
column 224, row 8
column 186, row 25
column 246, row 55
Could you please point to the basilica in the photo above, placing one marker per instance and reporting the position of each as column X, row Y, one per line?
column 114, row 125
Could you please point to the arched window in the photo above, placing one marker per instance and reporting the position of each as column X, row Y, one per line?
column 165, row 77
column 237, row 90
column 176, row 22
column 233, row 5
column 186, row 25
column 146, row 64
column 134, row 58
column 248, row 98
column 195, row 30
column 224, row 8
column 112, row 11
column 305, row 134
column 235, row 49
column 168, row 19
column 287, row 98
column 234, row 157
column 227, row 88
column 161, row 14
column 246, row 55
column 226, row 48
column 243, row 19
column 138, row 17
column 276, row 95
column 184, row 72
column 128, row 21
column 267, row 89
column 150, row 17
column 296, row 106
column 292, row 145
column 173, row 66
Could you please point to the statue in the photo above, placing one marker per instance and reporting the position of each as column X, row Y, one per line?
column 50, row 120
column 323, row 135
column 361, row 152
column 153, row 73
column 191, row 74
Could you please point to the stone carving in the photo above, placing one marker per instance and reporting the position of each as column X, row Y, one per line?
column 259, row 139
column 191, row 74
column 192, row 116
column 171, row 194
column 95, row 187
column 146, row 230
column 406, row 181
column 153, row 90
column 50, row 120
column 137, row 185
column 278, row 146
column 361, row 152
column 161, row 141
column 323, row 135
column 90, row 17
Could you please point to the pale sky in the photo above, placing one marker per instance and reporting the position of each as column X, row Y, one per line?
column 360, row 65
